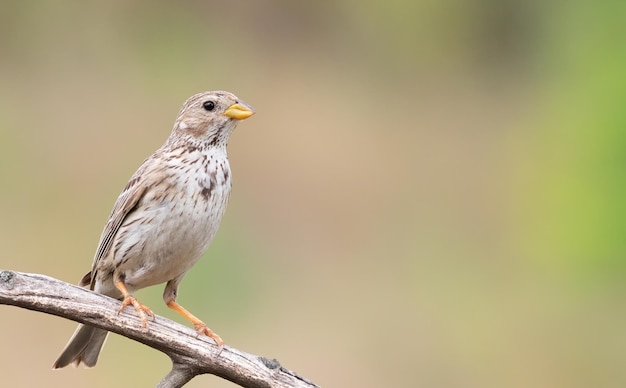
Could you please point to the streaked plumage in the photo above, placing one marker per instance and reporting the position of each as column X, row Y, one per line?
column 165, row 218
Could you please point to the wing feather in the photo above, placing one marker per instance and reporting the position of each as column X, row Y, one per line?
column 125, row 204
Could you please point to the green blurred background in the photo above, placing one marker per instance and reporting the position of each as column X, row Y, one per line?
column 431, row 193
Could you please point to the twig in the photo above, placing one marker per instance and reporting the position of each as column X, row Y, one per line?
column 190, row 355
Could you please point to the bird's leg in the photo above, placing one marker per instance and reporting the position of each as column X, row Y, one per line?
column 169, row 296
column 142, row 310
column 201, row 327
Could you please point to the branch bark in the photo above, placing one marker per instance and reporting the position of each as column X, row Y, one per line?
column 190, row 355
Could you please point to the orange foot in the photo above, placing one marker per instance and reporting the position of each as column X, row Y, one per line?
column 201, row 327
column 141, row 309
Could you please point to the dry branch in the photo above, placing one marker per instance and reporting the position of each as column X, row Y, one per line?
column 190, row 355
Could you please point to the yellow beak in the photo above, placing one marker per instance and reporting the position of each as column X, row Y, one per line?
column 239, row 111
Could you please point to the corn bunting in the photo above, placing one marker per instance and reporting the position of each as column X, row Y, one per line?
column 165, row 218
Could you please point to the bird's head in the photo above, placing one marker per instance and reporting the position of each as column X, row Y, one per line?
column 209, row 118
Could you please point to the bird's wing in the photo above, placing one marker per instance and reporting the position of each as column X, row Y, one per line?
column 125, row 204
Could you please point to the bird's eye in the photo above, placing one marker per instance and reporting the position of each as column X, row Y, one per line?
column 208, row 105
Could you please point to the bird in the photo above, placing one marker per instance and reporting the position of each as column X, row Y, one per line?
column 164, row 219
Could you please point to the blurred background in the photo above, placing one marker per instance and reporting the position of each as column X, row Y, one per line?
column 430, row 194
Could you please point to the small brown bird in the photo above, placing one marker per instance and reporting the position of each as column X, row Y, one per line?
column 165, row 218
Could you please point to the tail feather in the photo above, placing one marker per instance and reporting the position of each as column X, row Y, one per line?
column 84, row 346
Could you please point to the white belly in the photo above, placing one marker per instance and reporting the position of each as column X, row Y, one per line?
column 164, row 238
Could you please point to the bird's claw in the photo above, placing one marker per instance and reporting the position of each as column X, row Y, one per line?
column 142, row 310
column 201, row 328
